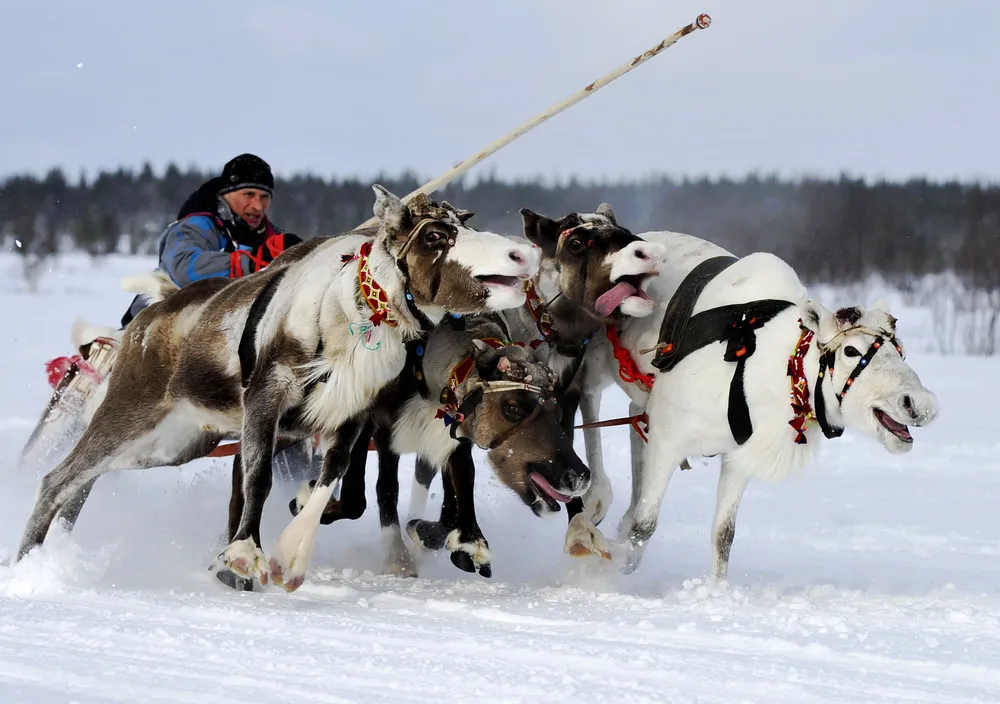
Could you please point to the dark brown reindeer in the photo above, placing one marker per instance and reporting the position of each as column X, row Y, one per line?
column 469, row 387
column 303, row 346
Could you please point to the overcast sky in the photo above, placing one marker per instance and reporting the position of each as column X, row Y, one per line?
column 884, row 88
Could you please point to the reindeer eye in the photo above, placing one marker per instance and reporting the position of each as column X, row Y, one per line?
column 851, row 351
column 431, row 236
column 575, row 246
column 512, row 412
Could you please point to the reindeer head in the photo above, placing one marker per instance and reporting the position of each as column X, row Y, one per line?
column 601, row 266
column 450, row 267
column 513, row 414
column 866, row 382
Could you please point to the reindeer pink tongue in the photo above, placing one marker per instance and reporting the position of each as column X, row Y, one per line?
column 544, row 485
column 610, row 300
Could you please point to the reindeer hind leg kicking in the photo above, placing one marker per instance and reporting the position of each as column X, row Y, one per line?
column 115, row 440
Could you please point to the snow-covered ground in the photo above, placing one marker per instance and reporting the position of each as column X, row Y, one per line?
column 870, row 578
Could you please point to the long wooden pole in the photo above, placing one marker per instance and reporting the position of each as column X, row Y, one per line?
column 701, row 22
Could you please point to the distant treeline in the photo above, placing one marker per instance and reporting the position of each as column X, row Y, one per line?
column 833, row 230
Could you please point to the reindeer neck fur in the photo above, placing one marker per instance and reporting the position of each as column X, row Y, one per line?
column 416, row 428
column 571, row 326
column 350, row 374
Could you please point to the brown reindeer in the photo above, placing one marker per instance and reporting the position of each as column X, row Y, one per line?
column 304, row 346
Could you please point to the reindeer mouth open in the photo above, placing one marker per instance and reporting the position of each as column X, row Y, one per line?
column 498, row 280
column 547, row 492
column 623, row 288
column 894, row 427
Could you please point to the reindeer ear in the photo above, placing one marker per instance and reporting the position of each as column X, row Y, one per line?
column 487, row 360
column 605, row 210
column 540, row 231
column 462, row 215
column 848, row 316
column 390, row 210
column 819, row 319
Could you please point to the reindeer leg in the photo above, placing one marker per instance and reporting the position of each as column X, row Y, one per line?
column 433, row 535
column 423, row 475
column 650, row 478
column 583, row 539
column 469, row 550
column 110, row 442
column 399, row 561
column 732, row 484
column 293, row 549
column 87, row 461
column 262, row 402
column 352, row 502
column 236, row 503
column 71, row 511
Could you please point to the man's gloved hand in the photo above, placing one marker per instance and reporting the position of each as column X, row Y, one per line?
column 249, row 260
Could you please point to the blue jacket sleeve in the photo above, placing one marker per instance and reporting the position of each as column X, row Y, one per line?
column 192, row 249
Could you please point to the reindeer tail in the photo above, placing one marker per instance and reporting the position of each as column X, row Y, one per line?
column 154, row 286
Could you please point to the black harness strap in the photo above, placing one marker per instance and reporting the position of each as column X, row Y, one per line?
column 246, row 350
column 735, row 324
column 677, row 317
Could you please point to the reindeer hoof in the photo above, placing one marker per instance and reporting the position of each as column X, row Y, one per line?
column 244, row 559
column 430, row 535
column 398, row 560
column 583, row 539
column 470, row 555
column 234, row 581
column 278, row 577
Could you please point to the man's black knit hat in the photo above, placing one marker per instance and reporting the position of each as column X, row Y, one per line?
column 246, row 171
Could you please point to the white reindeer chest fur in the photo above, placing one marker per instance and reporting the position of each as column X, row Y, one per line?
column 418, row 431
column 320, row 305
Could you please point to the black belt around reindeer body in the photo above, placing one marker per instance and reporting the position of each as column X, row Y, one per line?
column 736, row 324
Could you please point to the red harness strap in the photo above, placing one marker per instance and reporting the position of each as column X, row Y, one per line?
column 628, row 369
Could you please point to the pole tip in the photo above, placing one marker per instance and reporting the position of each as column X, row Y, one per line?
column 703, row 21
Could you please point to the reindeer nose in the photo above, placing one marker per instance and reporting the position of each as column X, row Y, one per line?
column 526, row 258
column 908, row 405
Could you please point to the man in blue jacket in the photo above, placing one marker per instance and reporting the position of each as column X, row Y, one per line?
column 222, row 230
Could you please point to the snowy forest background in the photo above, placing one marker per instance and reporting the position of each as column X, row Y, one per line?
column 937, row 244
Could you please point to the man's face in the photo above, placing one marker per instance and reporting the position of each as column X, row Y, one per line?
column 251, row 204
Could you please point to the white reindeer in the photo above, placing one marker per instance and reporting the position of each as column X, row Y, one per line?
column 805, row 368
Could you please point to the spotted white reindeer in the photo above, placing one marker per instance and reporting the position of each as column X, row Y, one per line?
column 303, row 346
column 738, row 361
